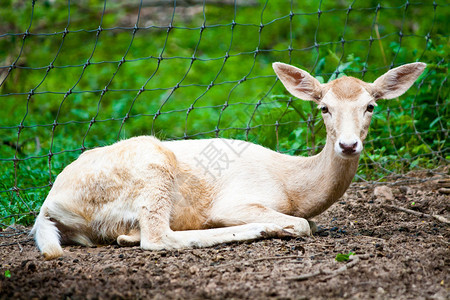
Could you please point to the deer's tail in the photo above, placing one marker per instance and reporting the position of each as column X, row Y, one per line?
column 47, row 236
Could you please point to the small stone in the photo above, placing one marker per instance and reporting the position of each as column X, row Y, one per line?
column 405, row 190
column 218, row 258
column 383, row 192
column 194, row 269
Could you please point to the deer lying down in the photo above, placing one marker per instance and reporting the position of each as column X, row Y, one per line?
column 160, row 195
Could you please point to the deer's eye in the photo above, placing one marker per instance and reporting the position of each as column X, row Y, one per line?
column 370, row 107
column 324, row 109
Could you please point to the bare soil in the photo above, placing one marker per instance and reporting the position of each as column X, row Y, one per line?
column 398, row 255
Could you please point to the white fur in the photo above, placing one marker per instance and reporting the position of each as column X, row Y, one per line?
column 169, row 195
column 47, row 236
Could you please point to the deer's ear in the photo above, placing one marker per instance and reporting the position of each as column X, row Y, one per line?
column 397, row 81
column 298, row 82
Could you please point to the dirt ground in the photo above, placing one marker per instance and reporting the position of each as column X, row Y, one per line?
column 398, row 255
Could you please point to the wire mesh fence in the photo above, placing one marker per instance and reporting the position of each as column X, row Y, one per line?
column 83, row 74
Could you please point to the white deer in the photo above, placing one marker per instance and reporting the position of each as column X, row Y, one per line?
column 167, row 195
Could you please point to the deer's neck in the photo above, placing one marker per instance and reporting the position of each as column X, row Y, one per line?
column 316, row 182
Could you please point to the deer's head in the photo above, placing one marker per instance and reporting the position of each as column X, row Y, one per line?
column 347, row 103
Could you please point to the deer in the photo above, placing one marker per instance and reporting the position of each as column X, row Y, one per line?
column 166, row 195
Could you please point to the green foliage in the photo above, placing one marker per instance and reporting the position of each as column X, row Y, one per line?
column 7, row 274
column 147, row 83
column 415, row 126
column 343, row 257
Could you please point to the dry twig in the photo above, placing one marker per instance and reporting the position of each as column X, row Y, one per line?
column 14, row 243
column 278, row 257
column 418, row 213
column 354, row 259
column 444, row 190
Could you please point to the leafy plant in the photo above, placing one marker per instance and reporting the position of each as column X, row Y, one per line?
column 343, row 257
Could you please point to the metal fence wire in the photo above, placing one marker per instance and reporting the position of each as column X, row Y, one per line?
column 82, row 74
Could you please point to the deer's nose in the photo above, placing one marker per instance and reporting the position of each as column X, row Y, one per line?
column 348, row 148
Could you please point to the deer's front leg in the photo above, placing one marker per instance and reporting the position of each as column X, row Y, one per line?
column 258, row 213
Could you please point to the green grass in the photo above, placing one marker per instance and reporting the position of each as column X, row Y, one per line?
column 236, row 97
column 343, row 257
